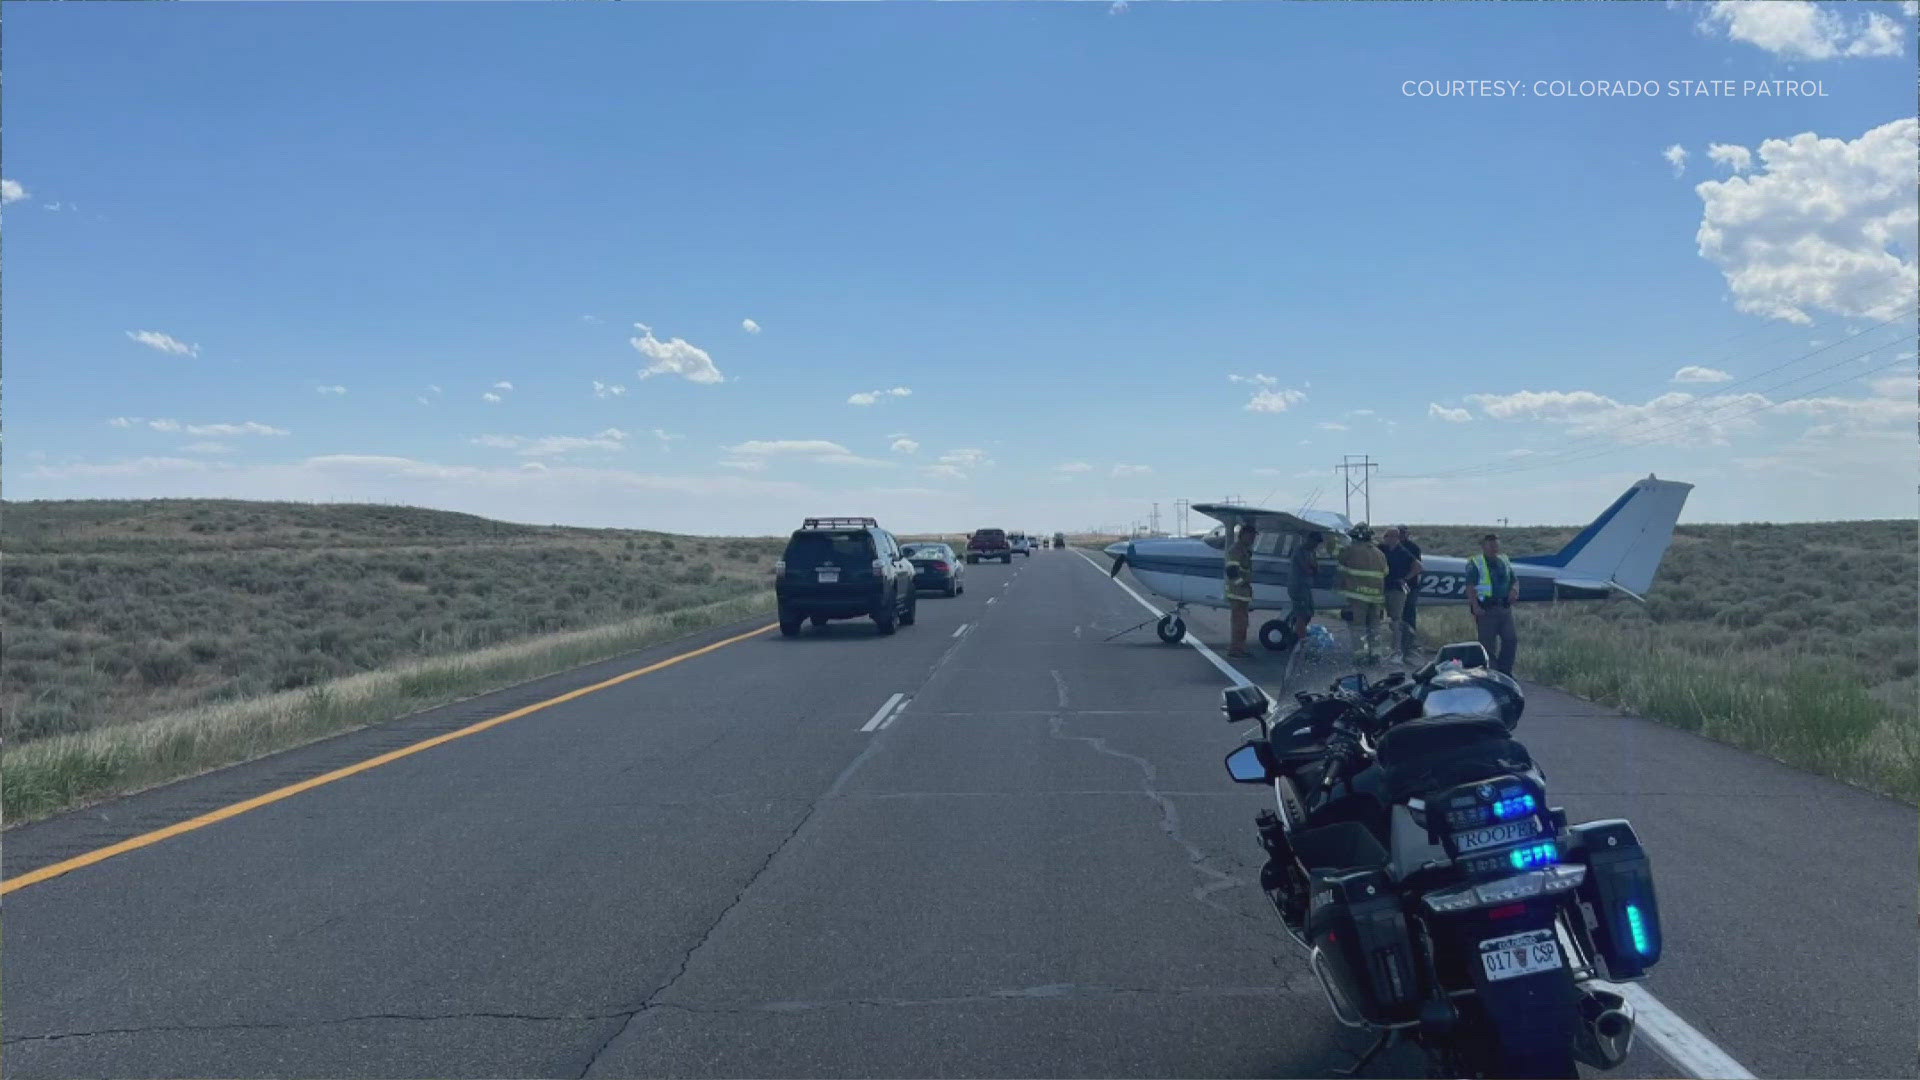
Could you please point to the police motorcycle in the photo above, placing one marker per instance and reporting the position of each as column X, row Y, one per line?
column 1439, row 898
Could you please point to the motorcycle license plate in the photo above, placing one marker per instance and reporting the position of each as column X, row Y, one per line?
column 829, row 575
column 1507, row 832
column 1520, row 954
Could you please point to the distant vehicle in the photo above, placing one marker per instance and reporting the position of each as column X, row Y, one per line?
column 1059, row 540
column 989, row 544
column 935, row 566
column 1021, row 545
column 844, row 568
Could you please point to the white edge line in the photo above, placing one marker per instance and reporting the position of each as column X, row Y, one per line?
column 1674, row 1039
column 991, row 599
column 961, row 629
column 882, row 714
column 894, row 715
column 1226, row 669
column 1671, row 1037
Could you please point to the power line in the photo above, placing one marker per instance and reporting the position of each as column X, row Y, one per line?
column 1675, row 408
column 1678, row 409
column 1365, row 466
column 1748, row 412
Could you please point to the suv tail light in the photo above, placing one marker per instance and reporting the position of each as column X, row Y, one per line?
column 941, row 566
column 879, row 566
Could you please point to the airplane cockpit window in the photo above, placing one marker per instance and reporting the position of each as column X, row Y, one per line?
column 1217, row 538
column 1267, row 543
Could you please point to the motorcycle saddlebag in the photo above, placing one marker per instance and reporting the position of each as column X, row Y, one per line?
column 1362, row 938
column 1619, row 886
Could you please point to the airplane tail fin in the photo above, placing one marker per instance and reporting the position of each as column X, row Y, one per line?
column 1624, row 545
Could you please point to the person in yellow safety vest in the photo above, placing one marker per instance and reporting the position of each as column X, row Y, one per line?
column 1492, row 587
column 1239, row 589
column 1363, row 573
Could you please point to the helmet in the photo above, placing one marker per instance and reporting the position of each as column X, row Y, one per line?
column 1475, row 692
column 1361, row 532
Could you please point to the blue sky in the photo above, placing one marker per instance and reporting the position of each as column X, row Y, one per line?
column 1117, row 254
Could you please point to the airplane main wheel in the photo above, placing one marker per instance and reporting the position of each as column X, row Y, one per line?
column 1277, row 634
column 1171, row 629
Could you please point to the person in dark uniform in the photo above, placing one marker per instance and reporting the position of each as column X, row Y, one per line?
column 1304, row 567
column 1403, row 577
column 1409, row 614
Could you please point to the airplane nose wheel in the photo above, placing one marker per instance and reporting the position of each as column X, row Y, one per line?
column 1277, row 634
column 1171, row 629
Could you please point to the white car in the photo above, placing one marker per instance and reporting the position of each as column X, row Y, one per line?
column 1021, row 545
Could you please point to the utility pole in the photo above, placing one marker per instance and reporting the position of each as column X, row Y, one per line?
column 1364, row 467
column 1503, row 523
column 1180, row 514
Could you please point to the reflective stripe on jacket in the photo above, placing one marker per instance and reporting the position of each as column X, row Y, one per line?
column 1240, row 585
column 1363, row 572
column 1483, row 585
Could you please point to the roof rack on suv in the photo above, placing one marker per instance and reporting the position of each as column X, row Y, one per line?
column 841, row 523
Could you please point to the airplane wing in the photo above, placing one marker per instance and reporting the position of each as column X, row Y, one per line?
column 1333, row 526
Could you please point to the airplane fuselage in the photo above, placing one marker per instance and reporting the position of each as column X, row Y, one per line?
column 1189, row 571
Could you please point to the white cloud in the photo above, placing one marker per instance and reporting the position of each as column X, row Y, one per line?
column 1797, row 30
column 1676, row 156
column 1737, row 158
column 950, row 472
column 11, row 191
column 589, row 318
column 491, row 397
column 749, row 326
column 207, row 448
column 435, row 389
column 1329, row 425
column 607, row 390
column 335, row 391
column 173, row 427
column 247, row 428
column 1707, row 421
column 1073, row 467
column 552, row 445
column 675, row 357
column 871, row 396
column 1451, row 416
column 421, row 398
column 904, row 446
column 1821, row 226
column 503, row 385
column 1275, row 401
column 1694, row 373
column 154, row 339
column 1132, row 470
column 666, row 439
column 1261, row 380
column 1361, row 412
column 814, row 451
column 966, row 458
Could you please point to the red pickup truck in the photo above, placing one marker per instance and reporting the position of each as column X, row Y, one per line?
column 989, row 544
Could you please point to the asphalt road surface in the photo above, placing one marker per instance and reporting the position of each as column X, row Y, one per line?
column 741, row 864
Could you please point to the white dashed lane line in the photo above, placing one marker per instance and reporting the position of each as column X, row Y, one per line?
column 881, row 716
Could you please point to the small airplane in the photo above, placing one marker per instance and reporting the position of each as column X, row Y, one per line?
column 1618, row 552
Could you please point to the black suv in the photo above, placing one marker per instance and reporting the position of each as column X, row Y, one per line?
column 844, row 568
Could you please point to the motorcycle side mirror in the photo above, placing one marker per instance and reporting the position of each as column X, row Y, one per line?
column 1243, row 703
column 1246, row 766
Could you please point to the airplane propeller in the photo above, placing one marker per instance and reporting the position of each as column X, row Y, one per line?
column 1118, row 562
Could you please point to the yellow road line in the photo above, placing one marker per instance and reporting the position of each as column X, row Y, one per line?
column 291, row 790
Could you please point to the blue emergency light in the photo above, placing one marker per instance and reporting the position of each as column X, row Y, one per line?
column 1535, row 855
column 1638, row 928
column 1513, row 808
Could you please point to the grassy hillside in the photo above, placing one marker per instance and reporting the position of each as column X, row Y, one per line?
column 1798, row 641
column 119, row 611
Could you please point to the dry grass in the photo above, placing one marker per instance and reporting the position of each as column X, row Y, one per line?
column 1797, row 641
column 119, row 611
column 63, row 772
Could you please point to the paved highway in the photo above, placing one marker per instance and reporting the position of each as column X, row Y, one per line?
column 744, row 863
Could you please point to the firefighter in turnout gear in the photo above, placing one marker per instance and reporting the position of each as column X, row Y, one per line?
column 1363, row 573
column 1239, row 589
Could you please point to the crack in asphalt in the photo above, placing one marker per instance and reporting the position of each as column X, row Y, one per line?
column 1169, row 817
